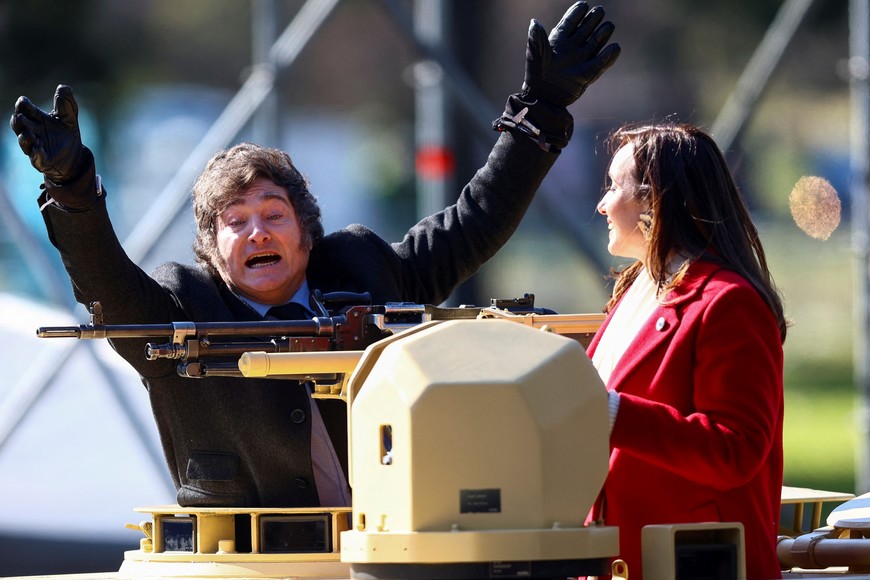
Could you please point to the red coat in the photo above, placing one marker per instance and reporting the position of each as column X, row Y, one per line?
column 698, row 435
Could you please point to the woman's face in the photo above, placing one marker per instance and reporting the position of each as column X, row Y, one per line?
column 622, row 207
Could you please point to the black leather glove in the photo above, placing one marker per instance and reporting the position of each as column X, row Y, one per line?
column 52, row 140
column 561, row 66
column 53, row 143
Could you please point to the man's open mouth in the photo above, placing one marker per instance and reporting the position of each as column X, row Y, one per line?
column 262, row 260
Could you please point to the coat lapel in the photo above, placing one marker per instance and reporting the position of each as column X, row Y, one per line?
column 660, row 328
column 662, row 324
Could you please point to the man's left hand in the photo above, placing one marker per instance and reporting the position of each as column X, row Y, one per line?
column 561, row 66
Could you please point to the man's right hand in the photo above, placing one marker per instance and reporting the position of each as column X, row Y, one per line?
column 52, row 141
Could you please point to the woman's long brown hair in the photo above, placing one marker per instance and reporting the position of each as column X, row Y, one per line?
column 697, row 210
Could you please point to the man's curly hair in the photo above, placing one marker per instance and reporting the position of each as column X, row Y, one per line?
column 232, row 171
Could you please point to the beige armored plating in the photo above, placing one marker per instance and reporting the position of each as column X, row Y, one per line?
column 496, row 453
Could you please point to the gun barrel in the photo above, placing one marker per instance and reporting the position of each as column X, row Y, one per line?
column 313, row 327
column 87, row 331
column 58, row 332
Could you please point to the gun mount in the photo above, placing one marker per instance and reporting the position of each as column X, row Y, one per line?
column 464, row 458
column 453, row 466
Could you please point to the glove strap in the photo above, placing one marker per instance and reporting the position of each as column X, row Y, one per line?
column 79, row 194
column 522, row 125
column 51, row 201
column 551, row 130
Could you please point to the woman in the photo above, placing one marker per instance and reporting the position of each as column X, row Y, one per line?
column 691, row 349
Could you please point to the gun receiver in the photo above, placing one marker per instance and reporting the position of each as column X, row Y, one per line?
column 208, row 349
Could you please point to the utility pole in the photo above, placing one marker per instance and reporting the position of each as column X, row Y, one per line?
column 859, row 67
column 263, row 33
column 434, row 159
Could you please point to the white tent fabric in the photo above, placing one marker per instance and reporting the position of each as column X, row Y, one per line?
column 84, row 453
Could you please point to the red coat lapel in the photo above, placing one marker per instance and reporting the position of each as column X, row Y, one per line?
column 662, row 324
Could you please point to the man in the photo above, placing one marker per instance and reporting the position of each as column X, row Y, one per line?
column 260, row 243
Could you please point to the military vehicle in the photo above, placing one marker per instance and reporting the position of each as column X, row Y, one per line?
column 463, row 458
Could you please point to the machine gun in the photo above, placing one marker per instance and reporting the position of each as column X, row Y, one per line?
column 333, row 341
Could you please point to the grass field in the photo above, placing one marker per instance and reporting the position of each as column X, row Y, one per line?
column 820, row 441
column 816, row 280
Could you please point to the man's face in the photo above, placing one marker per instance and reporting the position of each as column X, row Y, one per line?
column 260, row 249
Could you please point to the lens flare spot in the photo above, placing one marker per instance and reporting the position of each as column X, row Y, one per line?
column 815, row 207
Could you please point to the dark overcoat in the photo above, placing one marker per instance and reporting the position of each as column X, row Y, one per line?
column 246, row 442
